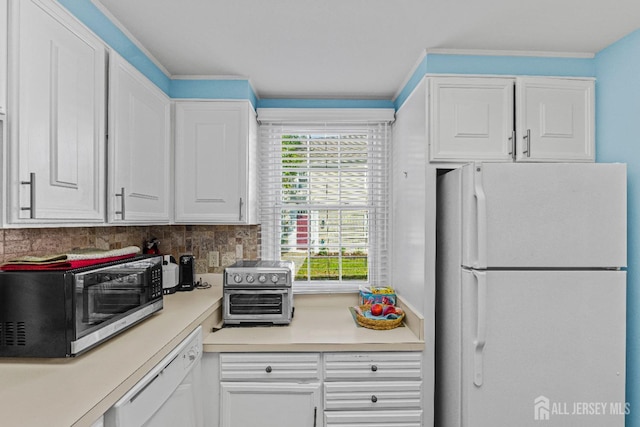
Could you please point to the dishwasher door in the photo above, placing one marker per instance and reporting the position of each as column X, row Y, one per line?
column 169, row 395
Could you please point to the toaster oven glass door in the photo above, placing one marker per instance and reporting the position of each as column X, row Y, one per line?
column 243, row 303
column 270, row 305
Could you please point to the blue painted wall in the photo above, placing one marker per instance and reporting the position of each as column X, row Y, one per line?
column 618, row 140
column 93, row 18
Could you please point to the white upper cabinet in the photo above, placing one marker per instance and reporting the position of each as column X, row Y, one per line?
column 476, row 118
column 139, row 147
column 215, row 162
column 555, row 120
column 471, row 118
column 3, row 56
column 57, row 124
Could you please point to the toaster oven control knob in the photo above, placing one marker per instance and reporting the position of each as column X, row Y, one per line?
column 250, row 278
column 274, row 278
column 262, row 278
column 237, row 278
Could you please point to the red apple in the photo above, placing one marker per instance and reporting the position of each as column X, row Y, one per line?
column 376, row 309
column 388, row 309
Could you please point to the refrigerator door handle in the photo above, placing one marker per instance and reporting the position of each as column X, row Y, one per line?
column 481, row 219
column 481, row 331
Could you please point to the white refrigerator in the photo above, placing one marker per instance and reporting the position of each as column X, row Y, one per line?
column 531, row 295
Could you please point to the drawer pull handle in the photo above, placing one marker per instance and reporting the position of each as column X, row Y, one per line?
column 374, row 399
column 268, row 369
column 374, row 368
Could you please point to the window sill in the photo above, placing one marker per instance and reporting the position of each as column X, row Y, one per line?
column 325, row 288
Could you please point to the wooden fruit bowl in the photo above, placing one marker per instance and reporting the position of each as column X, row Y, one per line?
column 379, row 324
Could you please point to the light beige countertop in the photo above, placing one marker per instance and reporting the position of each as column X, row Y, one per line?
column 320, row 323
column 77, row 391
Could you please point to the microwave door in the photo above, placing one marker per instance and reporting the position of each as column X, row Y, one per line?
column 103, row 296
column 112, row 296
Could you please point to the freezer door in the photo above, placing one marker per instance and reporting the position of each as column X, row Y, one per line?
column 544, row 215
column 543, row 346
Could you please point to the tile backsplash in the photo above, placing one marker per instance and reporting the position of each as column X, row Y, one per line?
column 231, row 242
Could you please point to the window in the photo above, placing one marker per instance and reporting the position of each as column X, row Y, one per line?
column 324, row 201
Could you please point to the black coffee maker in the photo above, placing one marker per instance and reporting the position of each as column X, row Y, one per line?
column 187, row 273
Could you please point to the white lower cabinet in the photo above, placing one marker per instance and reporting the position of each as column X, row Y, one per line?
column 270, row 390
column 341, row 389
column 373, row 389
column 270, row 404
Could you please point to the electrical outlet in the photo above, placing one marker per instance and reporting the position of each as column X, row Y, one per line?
column 238, row 251
column 214, row 259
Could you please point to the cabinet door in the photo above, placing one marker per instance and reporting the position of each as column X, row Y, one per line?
column 555, row 120
column 3, row 56
column 270, row 404
column 471, row 119
column 139, row 147
column 212, row 161
column 56, row 156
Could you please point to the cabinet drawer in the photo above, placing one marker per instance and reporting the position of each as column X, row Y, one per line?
column 269, row 366
column 373, row 366
column 373, row 419
column 373, row 395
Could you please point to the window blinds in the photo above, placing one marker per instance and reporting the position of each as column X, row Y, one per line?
column 324, row 197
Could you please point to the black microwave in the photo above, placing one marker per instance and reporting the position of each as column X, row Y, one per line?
column 64, row 313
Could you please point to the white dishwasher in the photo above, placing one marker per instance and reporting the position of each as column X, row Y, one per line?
column 169, row 395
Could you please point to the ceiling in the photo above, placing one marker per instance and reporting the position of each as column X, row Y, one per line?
column 355, row 49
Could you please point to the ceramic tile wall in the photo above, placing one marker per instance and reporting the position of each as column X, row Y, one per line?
column 230, row 241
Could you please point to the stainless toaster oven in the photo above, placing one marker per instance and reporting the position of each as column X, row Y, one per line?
column 258, row 292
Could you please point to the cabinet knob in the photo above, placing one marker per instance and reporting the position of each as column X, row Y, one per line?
column 374, row 399
column 374, row 368
column 268, row 369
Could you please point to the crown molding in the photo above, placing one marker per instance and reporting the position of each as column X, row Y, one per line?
column 130, row 36
column 410, row 74
column 486, row 52
column 335, row 115
column 207, row 77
